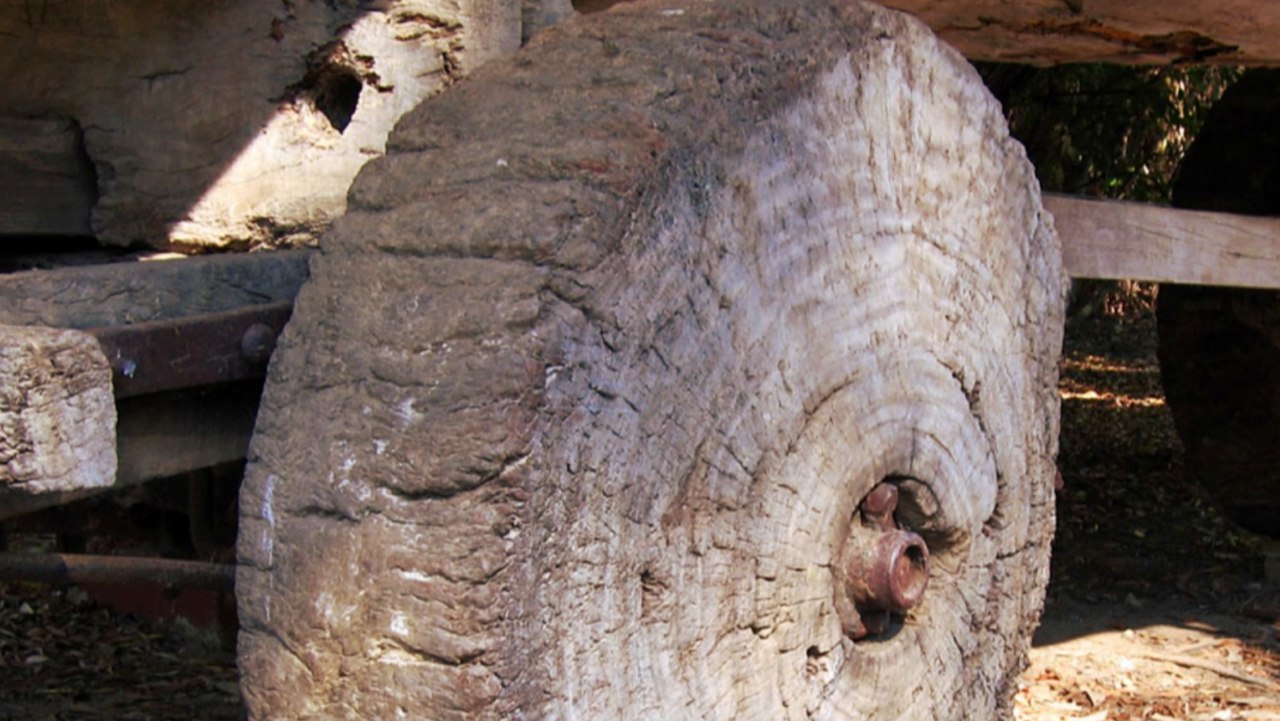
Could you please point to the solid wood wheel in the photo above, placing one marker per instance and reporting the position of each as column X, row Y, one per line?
column 1220, row 347
column 580, row 412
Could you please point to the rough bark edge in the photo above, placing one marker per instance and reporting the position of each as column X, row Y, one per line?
column 588, row 179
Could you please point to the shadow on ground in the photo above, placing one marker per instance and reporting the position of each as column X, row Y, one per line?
column 1158, row 607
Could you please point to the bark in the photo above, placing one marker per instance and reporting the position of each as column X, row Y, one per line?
column 1042, row 32
column 240, row 123
column 576, row 428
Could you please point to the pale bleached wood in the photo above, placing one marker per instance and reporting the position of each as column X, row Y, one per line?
column 238, row 123
column 1233, row 32
column 54, row 438
column 57, row 415
column 573, row 416
column 1113, row 239
column 47, row 185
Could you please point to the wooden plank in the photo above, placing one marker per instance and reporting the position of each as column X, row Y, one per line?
column 47, row 185
column 1111, row 239
column 1234, row 32
column 57, row 414
column 123, row 293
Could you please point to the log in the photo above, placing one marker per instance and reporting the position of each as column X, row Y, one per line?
column 599, row 438
column 47, row 185
column 1150, row 32
column 243, row 123
column 57, row 416
column 1140, row 241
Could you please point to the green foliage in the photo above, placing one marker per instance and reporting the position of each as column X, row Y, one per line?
column 1107, row 130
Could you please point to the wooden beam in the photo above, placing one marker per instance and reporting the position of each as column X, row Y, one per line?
column 152, row 437
column 62, row 434
column 47, row 185
column 1111, row 239
column 57, row 415
column 102, row 296
column 1232, row 32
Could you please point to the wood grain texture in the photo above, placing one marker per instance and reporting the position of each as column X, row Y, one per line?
column 584, row 391
column 1113, row 239
column 1043, row 32
column 57, row 415
column 114, row 294
column 47, row 185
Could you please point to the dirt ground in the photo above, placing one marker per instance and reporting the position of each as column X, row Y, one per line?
column 1157, row 607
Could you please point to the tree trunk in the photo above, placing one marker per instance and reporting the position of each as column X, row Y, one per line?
column 578, row 412
column 1220, row 347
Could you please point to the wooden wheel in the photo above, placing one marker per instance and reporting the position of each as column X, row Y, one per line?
column 1220, row 347
column 596, row 402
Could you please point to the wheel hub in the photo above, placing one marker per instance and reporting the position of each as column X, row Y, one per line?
column 882, row 569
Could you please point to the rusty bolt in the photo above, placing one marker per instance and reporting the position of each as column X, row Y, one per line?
column 257, row 343
column 888, row 571
column 882, row 569
column 878, row 507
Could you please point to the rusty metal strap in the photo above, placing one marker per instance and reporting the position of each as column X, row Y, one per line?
column 192, row 351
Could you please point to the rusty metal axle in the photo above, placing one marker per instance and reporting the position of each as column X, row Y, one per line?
column 61, row 568
column 192, row 351
column 882, row 569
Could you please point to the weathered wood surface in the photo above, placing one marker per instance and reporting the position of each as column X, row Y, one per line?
column 56, row 426
column 1233, row 32
column 121, row 293
column 150, row 437
column 235, row 123
column 573, row 417
column 1111, row 239
column 57, row 416
column 538, row 14
column 165, row 435
column 47, row 185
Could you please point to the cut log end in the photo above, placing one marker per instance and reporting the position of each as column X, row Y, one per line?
column 57, row 413
column 606, row 468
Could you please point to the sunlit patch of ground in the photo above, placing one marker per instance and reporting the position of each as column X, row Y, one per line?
column 1158, row 608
